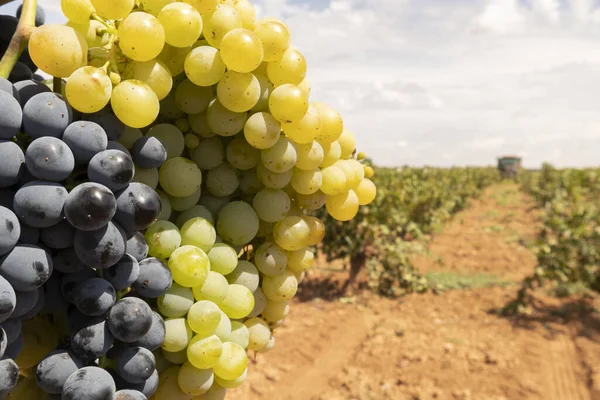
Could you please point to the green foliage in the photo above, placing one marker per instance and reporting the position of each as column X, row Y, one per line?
column 568, row 248
column 410, row 203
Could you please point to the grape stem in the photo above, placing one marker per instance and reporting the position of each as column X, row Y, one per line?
column 20, row 38
column 109, row 27
column 57, row 85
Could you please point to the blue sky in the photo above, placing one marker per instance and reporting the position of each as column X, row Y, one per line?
column 452, row 82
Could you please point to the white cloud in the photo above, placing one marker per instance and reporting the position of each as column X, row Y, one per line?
column 444, row 82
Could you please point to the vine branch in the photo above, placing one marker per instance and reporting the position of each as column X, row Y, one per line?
column 20, row 38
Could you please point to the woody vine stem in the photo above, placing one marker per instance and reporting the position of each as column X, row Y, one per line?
column 20, row 38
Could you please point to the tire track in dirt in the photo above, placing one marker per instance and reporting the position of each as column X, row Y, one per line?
column 567, row 382
column 308, row 381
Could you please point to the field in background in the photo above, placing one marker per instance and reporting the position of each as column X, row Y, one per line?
column 452, row 339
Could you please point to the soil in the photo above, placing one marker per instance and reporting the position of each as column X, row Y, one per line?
column 450, row 345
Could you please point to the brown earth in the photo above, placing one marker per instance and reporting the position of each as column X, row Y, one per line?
column 452, row 345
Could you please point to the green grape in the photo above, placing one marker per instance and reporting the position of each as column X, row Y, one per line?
column 281, row 157
column 237, row 223
column 351, row 178
column 163, row 238
column 275, row 37
column 178, row 357
column 271, row 205
column 366, row 192
column 196, row 211
column 180, row 177
column 199, row 125
column 300, row 260
column 198, row 232
column 204, row 317
column 332, row 124
column 203, row 6
column 241, row 155
column 214, row 288
column 216, row 392
column 194, row 381
column 246, row 11
column 317, row 231
column 334, row 181
column 214, row 204
column 239, row 334
column 238, row 303
column 269, row 345
column 291, row 233
column 219, row 22
column 209, row 154
column 295, row 210
column 305, row 87
column 270, row 259
column 176, row 302
column 204, row 352
column 141, row 36
column 333, row 152
column 181, row 204
column 39, row 339
column 271, row 179
column 165, row 212
column 174, row 58
column 78, row 11
column 358, row 172
column 307, row 182
column 249, row 182
column 161, row 362
column 288, row 103
column 262, row 131
column 204, row 66
column 224, row 122
column 241, row 50
column 136, row 92
column 182, row 24
column 280, row 287
column 290, row 68
column 306, row 129
column 344, row 206
column 222, row 180
column 259, row 303
column 183, row 124
column 266, row 87
column 58, row 50
column 347, row 143
column 168, row 386
column 155, row 73
column 113, row 9
column 275, row 311
column 189, row 266
column 232, row 384
column 94, row 32
column 129, row 137
column 232, row 363
column 238, row 92
column 169, row 109
column 260, row 333
column 309, row 155
column 312, row 202
column 223, row 258
column 191, row 140
column 224, row 329
column 192, row 99
column 147, row 176
column 245, row 274
column 154, row 6
column 88, row 89
column 177, row 335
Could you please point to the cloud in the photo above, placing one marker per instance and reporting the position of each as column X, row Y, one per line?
column 456, row 82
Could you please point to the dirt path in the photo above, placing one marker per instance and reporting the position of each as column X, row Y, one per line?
column 451, row 346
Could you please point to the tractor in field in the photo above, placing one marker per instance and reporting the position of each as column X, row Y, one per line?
column 509, row 166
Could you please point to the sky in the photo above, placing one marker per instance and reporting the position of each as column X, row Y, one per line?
column 451, row 82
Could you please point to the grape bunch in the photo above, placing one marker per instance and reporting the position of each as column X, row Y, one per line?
column 162, row 196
